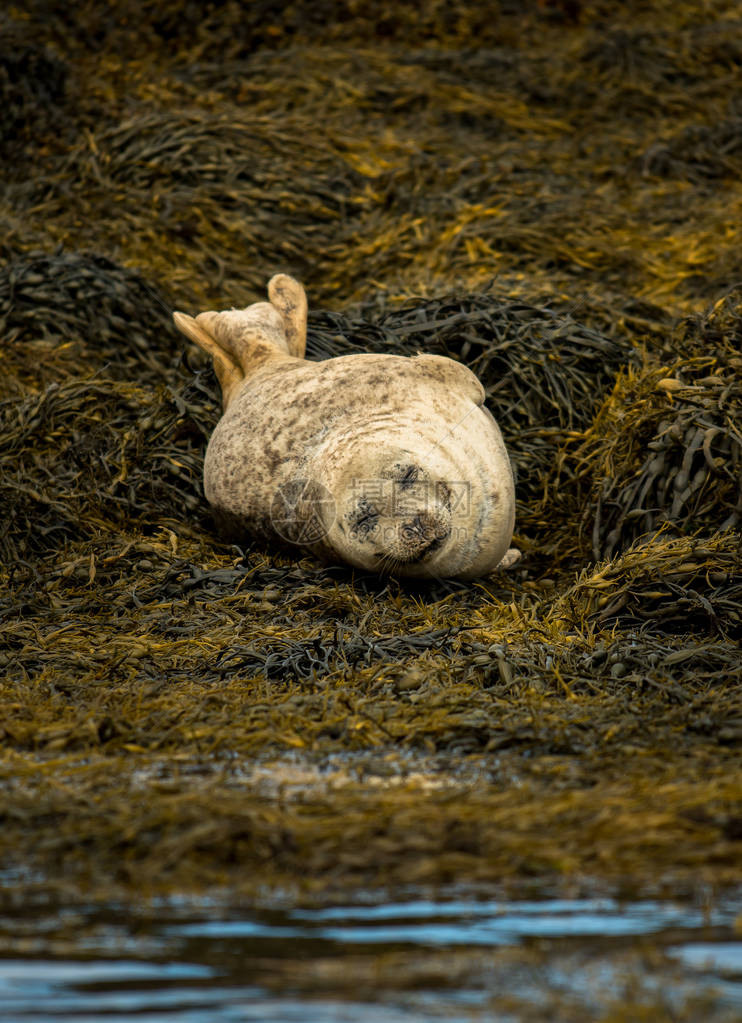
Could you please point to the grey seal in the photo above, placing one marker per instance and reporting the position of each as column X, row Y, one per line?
column 384, row 462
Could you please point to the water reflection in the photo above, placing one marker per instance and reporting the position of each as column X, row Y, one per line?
column 406, row 962
column 461, row 922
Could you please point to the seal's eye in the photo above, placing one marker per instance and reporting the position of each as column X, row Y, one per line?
column 406, row 475
column 364, row 519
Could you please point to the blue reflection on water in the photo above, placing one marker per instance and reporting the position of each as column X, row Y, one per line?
column 212, row 968
column 424, row 922
column 717, row 957
column 35, row 991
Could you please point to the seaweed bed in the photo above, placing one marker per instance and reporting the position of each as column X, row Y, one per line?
column 550, row 192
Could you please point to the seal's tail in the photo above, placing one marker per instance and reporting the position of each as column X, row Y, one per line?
column 241, row 340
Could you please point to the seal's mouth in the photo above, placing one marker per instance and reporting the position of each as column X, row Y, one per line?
column 416, row 539
column 417, row 556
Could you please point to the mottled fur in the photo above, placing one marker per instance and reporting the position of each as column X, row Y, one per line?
column 387, row 463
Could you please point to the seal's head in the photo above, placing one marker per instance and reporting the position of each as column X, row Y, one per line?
column 397, row 520
column 410, row 511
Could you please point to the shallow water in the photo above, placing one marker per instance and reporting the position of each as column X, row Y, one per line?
column 463, row 959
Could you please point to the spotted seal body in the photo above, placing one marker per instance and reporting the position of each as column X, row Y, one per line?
column 387, row 463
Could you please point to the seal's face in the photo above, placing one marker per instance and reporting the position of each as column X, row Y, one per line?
column 413, row 505
column 401, row 518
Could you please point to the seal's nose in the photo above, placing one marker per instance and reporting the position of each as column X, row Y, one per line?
column 423, row 533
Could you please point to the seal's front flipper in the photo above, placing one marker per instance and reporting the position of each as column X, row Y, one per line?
column 511, row 557
column 228, row 373
column 289, row 298
column 453, row 375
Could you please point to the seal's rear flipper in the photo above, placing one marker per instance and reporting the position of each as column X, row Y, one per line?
column 228, row 373
column 289, row 298
column 239, row 341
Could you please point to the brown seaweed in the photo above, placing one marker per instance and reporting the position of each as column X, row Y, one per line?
column 547, row 192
